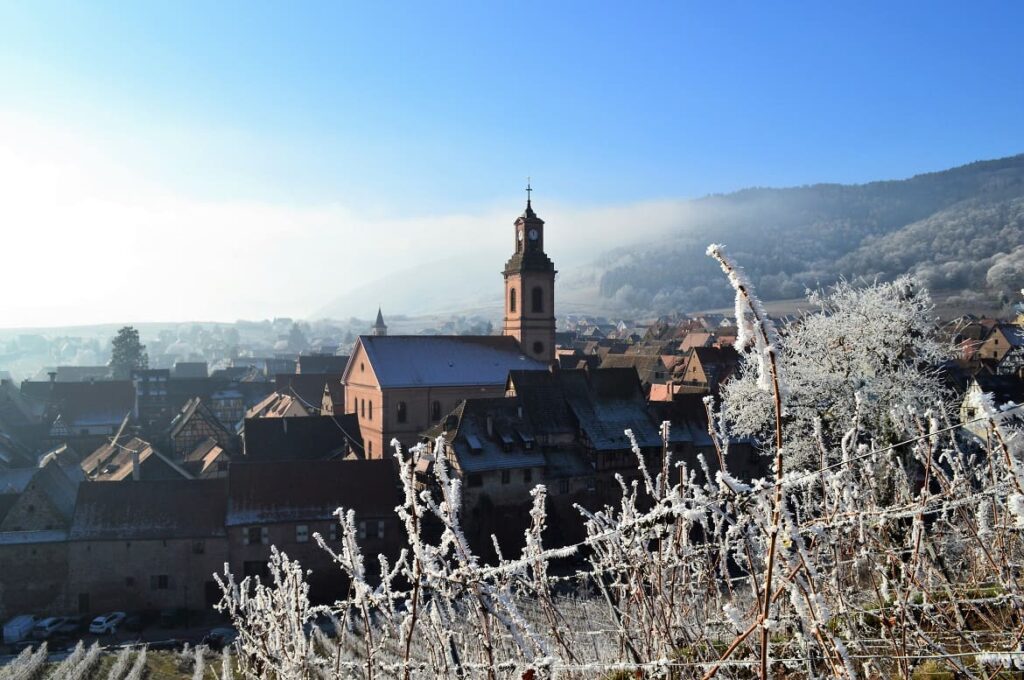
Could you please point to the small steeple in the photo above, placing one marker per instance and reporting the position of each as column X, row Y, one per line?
column 379, row 327
column 529, row 195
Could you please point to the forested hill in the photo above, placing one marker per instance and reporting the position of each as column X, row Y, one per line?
column 961, row 230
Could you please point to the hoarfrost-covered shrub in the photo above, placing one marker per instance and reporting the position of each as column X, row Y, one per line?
column 854, row 558
column 866, row 354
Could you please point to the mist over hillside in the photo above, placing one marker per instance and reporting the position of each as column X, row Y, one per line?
column 960, row 230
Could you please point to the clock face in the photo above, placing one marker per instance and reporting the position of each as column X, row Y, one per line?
column 534, row 234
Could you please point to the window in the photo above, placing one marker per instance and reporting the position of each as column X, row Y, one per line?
column 370, row 450
column 362, row 408
column 475, row 480
column 334, row 531
column 512, row 300
column 302, row 533
column 506, row 476
column 538, row 347
column 371, row 410
column 527, row 475
column 160, row 582
column 563, row 486
column 537, row 301
column 255, row 536
column 435, row 411
column 199, row 547
column 371, row 528
column 403, row 412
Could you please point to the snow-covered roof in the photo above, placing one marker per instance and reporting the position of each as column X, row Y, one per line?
column 435, row 361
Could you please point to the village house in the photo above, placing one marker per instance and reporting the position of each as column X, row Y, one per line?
column 321, row 363
column 36, row 508
column 209, row 460
column 195, row 423
column 706, row 369
column 302, row 438
column 586, row 413
column 285, row 503
column 1003, row 390
column 147, row 545
column 1004, row 349
column 82, row 414
column 131, row 459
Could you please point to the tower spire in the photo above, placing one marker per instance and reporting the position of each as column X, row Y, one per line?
column 379, row 327
column 529, row 190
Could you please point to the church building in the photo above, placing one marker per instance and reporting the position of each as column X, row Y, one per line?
column 400, row 385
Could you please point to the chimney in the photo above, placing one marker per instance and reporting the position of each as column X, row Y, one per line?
column 490, row 426
column 53, row 375
column 136, row 467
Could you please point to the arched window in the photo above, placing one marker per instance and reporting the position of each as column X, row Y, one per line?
column 512, row 300
column 402, row 412
column 435, row 411
column 362, row 407
column 371, row 410
column 537, row 304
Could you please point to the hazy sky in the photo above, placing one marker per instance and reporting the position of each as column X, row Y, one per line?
column 217, row 160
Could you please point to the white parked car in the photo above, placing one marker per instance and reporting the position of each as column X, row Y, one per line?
column 107, row 623
column 45, row 629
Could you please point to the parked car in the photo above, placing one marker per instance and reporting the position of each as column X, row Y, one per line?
column 168, row 645
column 46, row 628
column 173, row 618
column 18, row 628
column 73, row 625
column 106, row 623
column 139, row 620
column 219, row 638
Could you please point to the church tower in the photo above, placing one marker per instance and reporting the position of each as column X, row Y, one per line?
column 379, row 327
column 530, row 289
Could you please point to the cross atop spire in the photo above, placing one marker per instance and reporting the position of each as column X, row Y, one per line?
column 529, row 189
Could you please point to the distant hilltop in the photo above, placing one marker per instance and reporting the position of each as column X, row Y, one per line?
column 960, row 230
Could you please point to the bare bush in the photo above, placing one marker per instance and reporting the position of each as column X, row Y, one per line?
column 893, row 550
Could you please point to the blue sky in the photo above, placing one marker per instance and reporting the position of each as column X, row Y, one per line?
column 400, row 115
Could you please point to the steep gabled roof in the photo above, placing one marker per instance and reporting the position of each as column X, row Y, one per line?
column 601, row 404
column 302, row 438
column 113, row 462
column 307, row 387
column 490, row 434
column 1014, row 334
column 83, row 403
column 286, row 491
column 443, row 360
column 332, row 364
column 197, row 408
column 164, row 509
